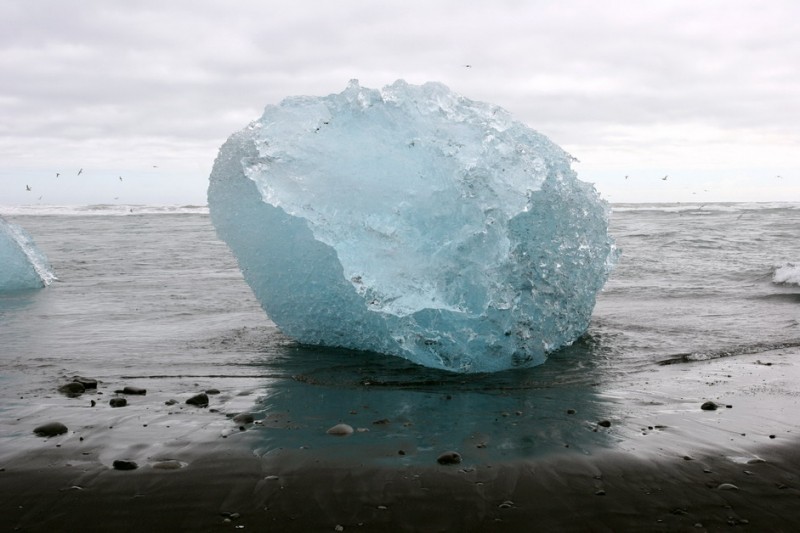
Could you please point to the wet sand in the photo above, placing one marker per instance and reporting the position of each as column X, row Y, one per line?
column 669, row 466
column 221, row 490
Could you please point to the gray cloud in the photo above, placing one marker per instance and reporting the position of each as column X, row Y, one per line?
column 178, row 77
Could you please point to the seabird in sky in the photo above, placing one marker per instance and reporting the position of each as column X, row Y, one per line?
column 664, row 178
column 79, row 172
column 27, row 187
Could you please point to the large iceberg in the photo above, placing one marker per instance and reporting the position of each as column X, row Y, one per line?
column 415, row 222
column 22, row 264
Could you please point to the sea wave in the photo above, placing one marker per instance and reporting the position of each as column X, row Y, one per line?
column 787, row 274
column 102, row 210
column 717, row 207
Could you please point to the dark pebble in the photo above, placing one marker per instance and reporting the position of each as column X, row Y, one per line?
column 244, row 418
column 117, row 402
column 709, row 406
column 571, row 411
column 449, row 458
column 72, row 389
column 50, row 429
column 401, row 452
column 381, row 422
column 170, row 402
column 200, row 400
column 604, row 423
column 212, row 391
column 134, row 390
column 123, row 464
column 772, row 436
column 88, row 383
column 93, row 403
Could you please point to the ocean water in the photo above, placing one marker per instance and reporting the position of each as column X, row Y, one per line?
column 149, row 296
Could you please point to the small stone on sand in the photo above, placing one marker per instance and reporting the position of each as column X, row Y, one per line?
column 169, row 464
column 117, row 402
column 243, row 418
column 200, row 400
column 171, row 402
column 50, row 429
column 604, row 423
column 449, row 458
column 340, row 430
column 124, row 464
column 134, row 390
column 571, row 411
column 212, row 391
column 88, row 383
column 709, row 406
column 72, row 389
column 727, row 486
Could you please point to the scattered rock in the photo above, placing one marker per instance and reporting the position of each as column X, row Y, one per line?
column 449, row 458
column 51, row 429
column 755, row 460
column 604, row 423
column 117, row 402
column 212, row 391
column 168, row 464
column 88, row 383
column 133, row 390
column 92, row 403
column 340, row 430
column 772, row 436
column 600, row 492
column 124, row 464
column 709, row 406
column 382, row 422
column 200, row 400
column 687, row 458
column 508, row 504
column 571, row 411
column 171, row 402
column 72, row 389
column 243, row 418
column 727, row 486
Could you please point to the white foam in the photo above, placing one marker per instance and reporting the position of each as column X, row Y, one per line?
column 102, row 210
column 788, row 274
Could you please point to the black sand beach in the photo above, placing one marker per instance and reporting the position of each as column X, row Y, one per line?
column 675, row 467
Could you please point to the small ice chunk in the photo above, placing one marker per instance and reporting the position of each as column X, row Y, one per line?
column 22, row 264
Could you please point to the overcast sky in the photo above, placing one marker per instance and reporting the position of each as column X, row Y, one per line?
column 705, row 92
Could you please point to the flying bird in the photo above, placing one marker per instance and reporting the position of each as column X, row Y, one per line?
column 27, row 187
column 80, row 171
column 664, row 178
column 120, row 178
column 58, row 174
column 626, row 177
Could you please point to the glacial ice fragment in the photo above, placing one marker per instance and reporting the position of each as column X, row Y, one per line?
column 412, row 221
column 22, row 264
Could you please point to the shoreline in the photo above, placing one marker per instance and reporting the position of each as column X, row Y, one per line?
column 662, row 464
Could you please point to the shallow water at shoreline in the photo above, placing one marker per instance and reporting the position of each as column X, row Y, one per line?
column 156, row 300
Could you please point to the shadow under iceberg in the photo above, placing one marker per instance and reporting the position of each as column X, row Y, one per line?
column 408, row 414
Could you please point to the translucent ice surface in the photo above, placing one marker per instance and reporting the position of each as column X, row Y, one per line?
column 415, row 222
column 22, row 264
